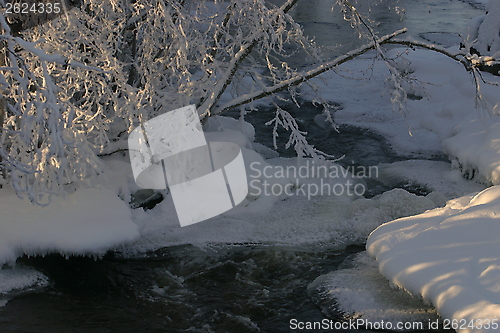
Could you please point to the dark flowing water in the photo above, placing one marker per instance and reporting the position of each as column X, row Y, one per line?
column 220, row 288
column 248, row 288
column 352, row 146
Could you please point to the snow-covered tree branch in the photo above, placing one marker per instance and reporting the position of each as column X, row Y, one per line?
column 305, row 76
column 43, row 147
column 75, row 87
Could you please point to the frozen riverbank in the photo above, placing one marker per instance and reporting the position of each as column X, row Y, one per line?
column 449, row 256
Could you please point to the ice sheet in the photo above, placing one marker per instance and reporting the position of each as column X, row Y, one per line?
column 435, row 176
column 19, row 279
column 359, row 291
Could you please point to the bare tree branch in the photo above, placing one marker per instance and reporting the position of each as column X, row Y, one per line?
column 208, row 103
column 460, row 57
column 302, row 77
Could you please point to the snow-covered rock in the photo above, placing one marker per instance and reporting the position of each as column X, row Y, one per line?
column 449, row 256
column 488, row 33
column 482, row 38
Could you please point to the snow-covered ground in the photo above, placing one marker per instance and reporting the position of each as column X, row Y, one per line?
column 92, row 221
column 449, row 256
column 299, row 219
column 440, row 105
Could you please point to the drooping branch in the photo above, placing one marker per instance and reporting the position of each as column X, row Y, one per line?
column 460, row 57
column 399, row 94
column 42, row 146
column 207, row 104
column 471, row 64
column 302, row 77
column 227, row 77
column 468, row 61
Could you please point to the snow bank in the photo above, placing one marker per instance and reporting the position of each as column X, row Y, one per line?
column 448, row 255
column 483, row 33
column 89, row 221
column 443, row 98
column 441, row 111
column 473, row 143
column 475, row 148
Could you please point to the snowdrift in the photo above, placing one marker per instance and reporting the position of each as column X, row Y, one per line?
column 449, row 256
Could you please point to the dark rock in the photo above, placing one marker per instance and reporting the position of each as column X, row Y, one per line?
column 146, row 199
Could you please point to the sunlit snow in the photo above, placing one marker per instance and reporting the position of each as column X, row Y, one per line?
column 448, row 255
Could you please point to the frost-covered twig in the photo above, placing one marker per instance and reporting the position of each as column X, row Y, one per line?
column 297, row 138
